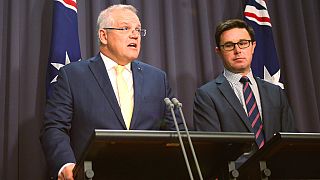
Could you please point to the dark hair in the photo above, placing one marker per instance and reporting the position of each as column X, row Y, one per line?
column 231, row 24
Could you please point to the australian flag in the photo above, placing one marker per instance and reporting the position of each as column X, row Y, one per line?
column 265, row 62
column 65, row 47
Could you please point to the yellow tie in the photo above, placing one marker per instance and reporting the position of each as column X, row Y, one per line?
column 124, row 96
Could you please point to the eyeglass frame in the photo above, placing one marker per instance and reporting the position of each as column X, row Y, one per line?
column 142, row 32
column 237, row 43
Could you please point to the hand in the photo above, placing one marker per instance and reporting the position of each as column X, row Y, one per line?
column 66, row 173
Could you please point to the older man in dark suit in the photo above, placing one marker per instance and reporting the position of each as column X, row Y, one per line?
column 236, row 101
column 109, row 91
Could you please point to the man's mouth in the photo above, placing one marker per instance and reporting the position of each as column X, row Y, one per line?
column 238, row 58
column 134, row 45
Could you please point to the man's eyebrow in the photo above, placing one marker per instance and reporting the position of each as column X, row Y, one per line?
column 237, row 41
column 228, row 42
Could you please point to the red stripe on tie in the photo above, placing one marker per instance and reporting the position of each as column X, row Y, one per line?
column 252, row 108
column 259, row 131
column 245, row 86
column 255, row 120
column 262, row 143
column 249, row 98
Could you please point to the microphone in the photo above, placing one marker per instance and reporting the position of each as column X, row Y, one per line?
column 179, row 106
column 170, row 106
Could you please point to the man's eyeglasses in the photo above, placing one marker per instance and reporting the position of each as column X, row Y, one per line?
column 242, row 44
column 142, row 32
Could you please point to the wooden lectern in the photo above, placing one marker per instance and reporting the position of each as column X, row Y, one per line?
column 134, row 154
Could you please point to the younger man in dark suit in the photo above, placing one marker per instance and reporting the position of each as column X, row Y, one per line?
column 108, row 91
column 236, row 101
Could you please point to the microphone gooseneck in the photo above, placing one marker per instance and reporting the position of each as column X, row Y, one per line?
column 179, row 106
column 170, row 106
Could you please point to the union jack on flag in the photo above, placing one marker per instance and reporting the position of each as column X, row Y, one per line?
column 265, row 62
column 65, row 47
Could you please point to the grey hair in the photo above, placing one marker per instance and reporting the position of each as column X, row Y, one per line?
column 105, row 18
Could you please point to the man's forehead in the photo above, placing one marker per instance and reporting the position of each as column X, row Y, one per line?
column 235, row 34
column 126, row 17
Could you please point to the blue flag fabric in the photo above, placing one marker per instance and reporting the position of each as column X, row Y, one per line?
column 265, row 62
column 65, row 47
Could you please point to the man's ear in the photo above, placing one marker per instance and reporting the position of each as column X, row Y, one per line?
column 218, row 51
column 253, row 46
column 103, row 37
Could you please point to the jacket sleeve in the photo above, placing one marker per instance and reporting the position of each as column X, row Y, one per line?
column 57, row 124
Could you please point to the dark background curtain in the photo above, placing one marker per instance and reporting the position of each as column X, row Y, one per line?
column 179, row 40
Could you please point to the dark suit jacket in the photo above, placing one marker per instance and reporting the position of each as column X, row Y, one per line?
column 217, row 108
column 83, row 100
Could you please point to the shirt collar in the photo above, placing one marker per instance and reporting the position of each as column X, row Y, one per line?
column 235, row 77
column 110, row 64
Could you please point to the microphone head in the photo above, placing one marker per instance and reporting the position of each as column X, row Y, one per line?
column 168, row 102
column 176, row 102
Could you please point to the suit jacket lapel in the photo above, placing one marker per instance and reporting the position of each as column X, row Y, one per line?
column 137, row 73
column 98, row 69
column 233, row 100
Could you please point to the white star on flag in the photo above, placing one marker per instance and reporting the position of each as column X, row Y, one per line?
column 59, row 65
column 272, row 79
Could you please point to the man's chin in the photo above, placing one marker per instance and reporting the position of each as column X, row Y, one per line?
column 130, row 59
column 133, row 57
column 238, row 70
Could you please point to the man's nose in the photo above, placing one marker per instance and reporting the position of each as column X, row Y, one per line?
column 236, row 48
column 134, row 33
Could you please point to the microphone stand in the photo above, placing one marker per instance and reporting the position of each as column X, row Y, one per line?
column 179, row 106
column 170, row 106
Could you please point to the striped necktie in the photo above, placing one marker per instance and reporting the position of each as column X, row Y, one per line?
column 125, row 99
column 253, row 112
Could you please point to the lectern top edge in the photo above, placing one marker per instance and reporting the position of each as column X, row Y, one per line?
column 297, row 136
column 200, row 135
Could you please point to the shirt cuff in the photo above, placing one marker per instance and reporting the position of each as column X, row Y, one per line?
column 64, row 167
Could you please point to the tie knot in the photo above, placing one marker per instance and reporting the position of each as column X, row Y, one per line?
column 119, row 69
column 244, row 79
